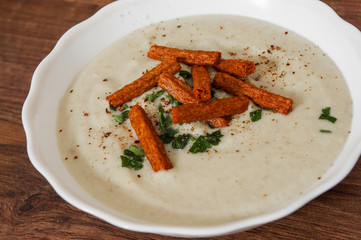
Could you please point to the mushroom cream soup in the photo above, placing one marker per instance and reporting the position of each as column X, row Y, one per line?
column 256, row 167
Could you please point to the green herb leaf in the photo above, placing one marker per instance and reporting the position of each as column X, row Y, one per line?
column 132, row 155
column 159, row 93
column 177, row 103
column 131, row 163
column 160, row 108
column 162, row 122
column 150, row 97
column 325, row 131
column 112, row 108
column 125, row 106
column 168, row 133
column 137, row 150
column 326, row 111
column 200, row 145
column 185, row 74
column 181, row 141
column 256, row 115
column 213, row 92
column 171, row 98
column 118, row 119
column 132, row 158
column 325, row 115
column 214, row 138
column 124, row 114
column 167, row 137
column 171, row 130
column 168, row 120
column 204, row 142
column 328, row 118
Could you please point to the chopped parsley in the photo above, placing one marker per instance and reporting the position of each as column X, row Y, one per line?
column 256, row 115
column 204, row 142
column 164, row 121
column 213, row 93
column 214, row 138
column 124, row 114
column 118, row 119
column 168, row 133
column 325, row 131
column 185, row 74
column 159, row 93
column 137, row 150
column 326, row 115
column 160, row 108
column 181, row 141
column 152, row 96
column 187, row 77
column 200, row 145
column 112, row 108
column 132, row 158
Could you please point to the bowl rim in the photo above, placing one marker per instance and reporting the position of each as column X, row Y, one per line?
column 29, row 117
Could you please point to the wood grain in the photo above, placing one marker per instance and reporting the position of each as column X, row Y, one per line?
column 30, row 208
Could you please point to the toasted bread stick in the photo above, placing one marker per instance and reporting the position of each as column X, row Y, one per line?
column 149, row 139
column 191, row 57
column 183, row 93
column 176, row 87
column 258, row 96
column 142, row 84
column 219, row 122
column 201, row 83
column 236, row 67
column 211, row 109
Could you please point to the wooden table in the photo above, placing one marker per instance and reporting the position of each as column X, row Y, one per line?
column 30, row 208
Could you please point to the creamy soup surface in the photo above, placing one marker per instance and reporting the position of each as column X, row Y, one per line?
column 257, row 166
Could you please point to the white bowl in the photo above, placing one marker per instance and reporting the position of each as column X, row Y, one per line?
column 309, row 18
